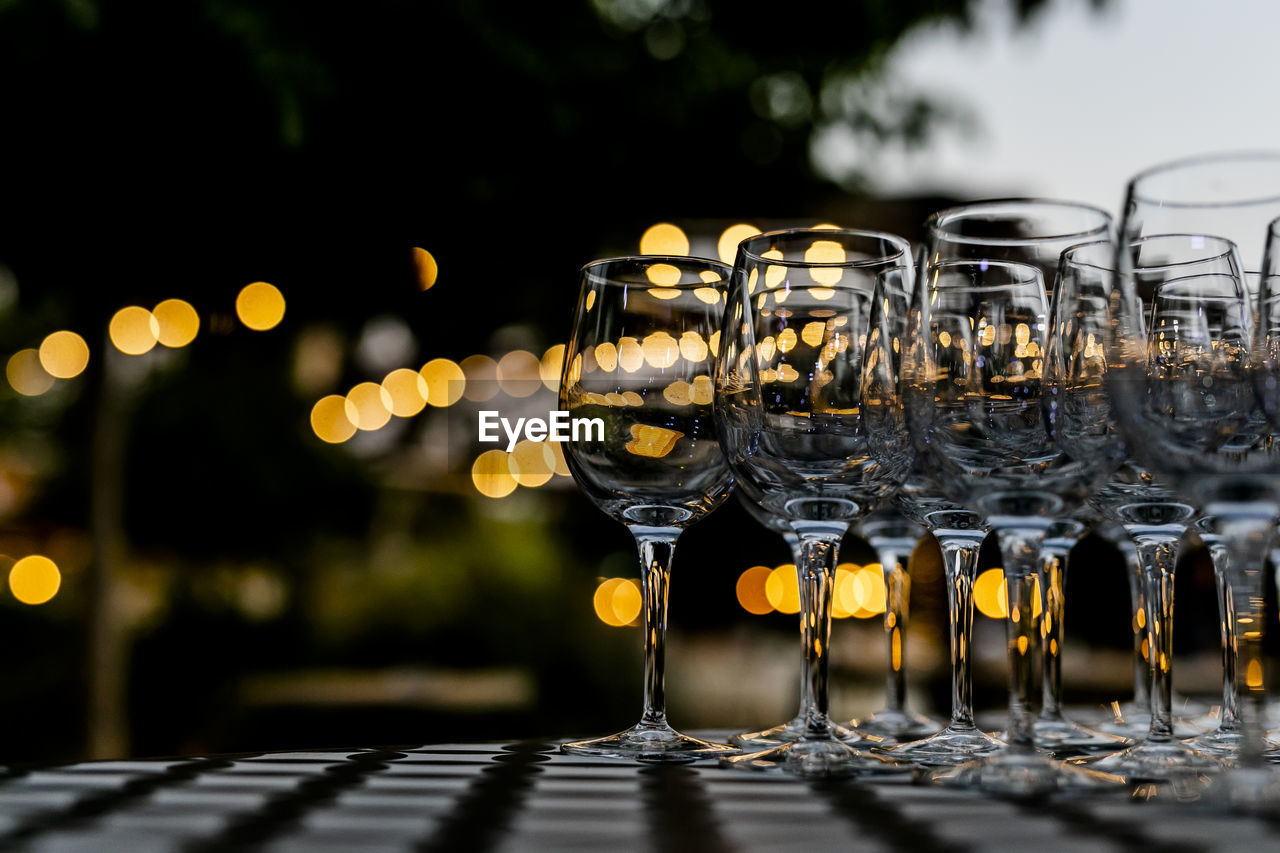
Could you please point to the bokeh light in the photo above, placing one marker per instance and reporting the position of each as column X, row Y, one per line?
column 664, row 239
column 491, row 474
column 178, row 323
column 551, row 366
column 64, row 354
column 26, row 375
column 840, row 599
column 425, row 264
column 331, row 419
column 666, row 276
column 652, row 441
column 617, row 601
column 989, row 595
column 134, row 330
column 782, row 589
column 519, row 373
column 445, row 382
column 408, row 392
column 627, row 601
column 532, row 463
column 660, row 350
column 372, row 405
column 727, row 246
column 750, row 590
column 481, row 374
column 866, row 595
column 34, row 579
column 260, row 306
column 630, row 354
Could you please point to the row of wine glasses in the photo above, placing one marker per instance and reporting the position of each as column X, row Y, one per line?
column 1034, row 372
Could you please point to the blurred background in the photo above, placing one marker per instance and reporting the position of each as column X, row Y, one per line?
column 248, row 248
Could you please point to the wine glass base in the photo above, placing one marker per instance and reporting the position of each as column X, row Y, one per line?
column 817, row 758
column 1136, row 726
column 1058, row 734
column 1156, row 761
column 1224, row 744
column 655, row 744
column 947, row 748
column 1018, row 774
column 793, row 730
column 901, row 726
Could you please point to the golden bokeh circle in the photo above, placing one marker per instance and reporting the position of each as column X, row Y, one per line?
column 330, row 420
column 260, row 306
column 34, row 579
column 134, row 330
column 178, row 322
column 64, row 354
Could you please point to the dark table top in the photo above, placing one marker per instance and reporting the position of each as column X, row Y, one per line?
column 526, row 796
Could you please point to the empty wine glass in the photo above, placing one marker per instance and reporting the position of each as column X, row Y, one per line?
column 639, row 363
column 1036, row 232
column 813, row 429
column 893, row 536
column 1152, row 514
column 980, row 408
column 1199, row 330
column 1199, row 428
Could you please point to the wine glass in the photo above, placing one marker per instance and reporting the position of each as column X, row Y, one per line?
column 639, row 362
column 893, row 536
column 1203, row 433
column 1152, row 514
column 794, row 728
column 959, row 533
column 808, row 425
column 1198, row 349
column 982, row 410
column 1036, row 232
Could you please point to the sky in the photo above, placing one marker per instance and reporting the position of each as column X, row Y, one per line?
column 1075, row 103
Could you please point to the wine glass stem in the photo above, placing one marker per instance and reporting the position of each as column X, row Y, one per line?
column 897, row 585
column 1158, row 552
column 1020, row 551
column 1247, row 531
column 1053, row 581
column 806, row 683
column 1227, row 631
column 818, row 555
column 1137, row 604
column 657, row 547
column 960, row 562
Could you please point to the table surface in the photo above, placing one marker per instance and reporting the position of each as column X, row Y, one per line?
column 526, row 796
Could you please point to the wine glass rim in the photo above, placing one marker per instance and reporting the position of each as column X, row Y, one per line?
column 1034, row 276
column 1229, row 246
column 726, row 271
column 937, row 221
column 1135, row 194
column 1171, row 284
column 902, row 248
